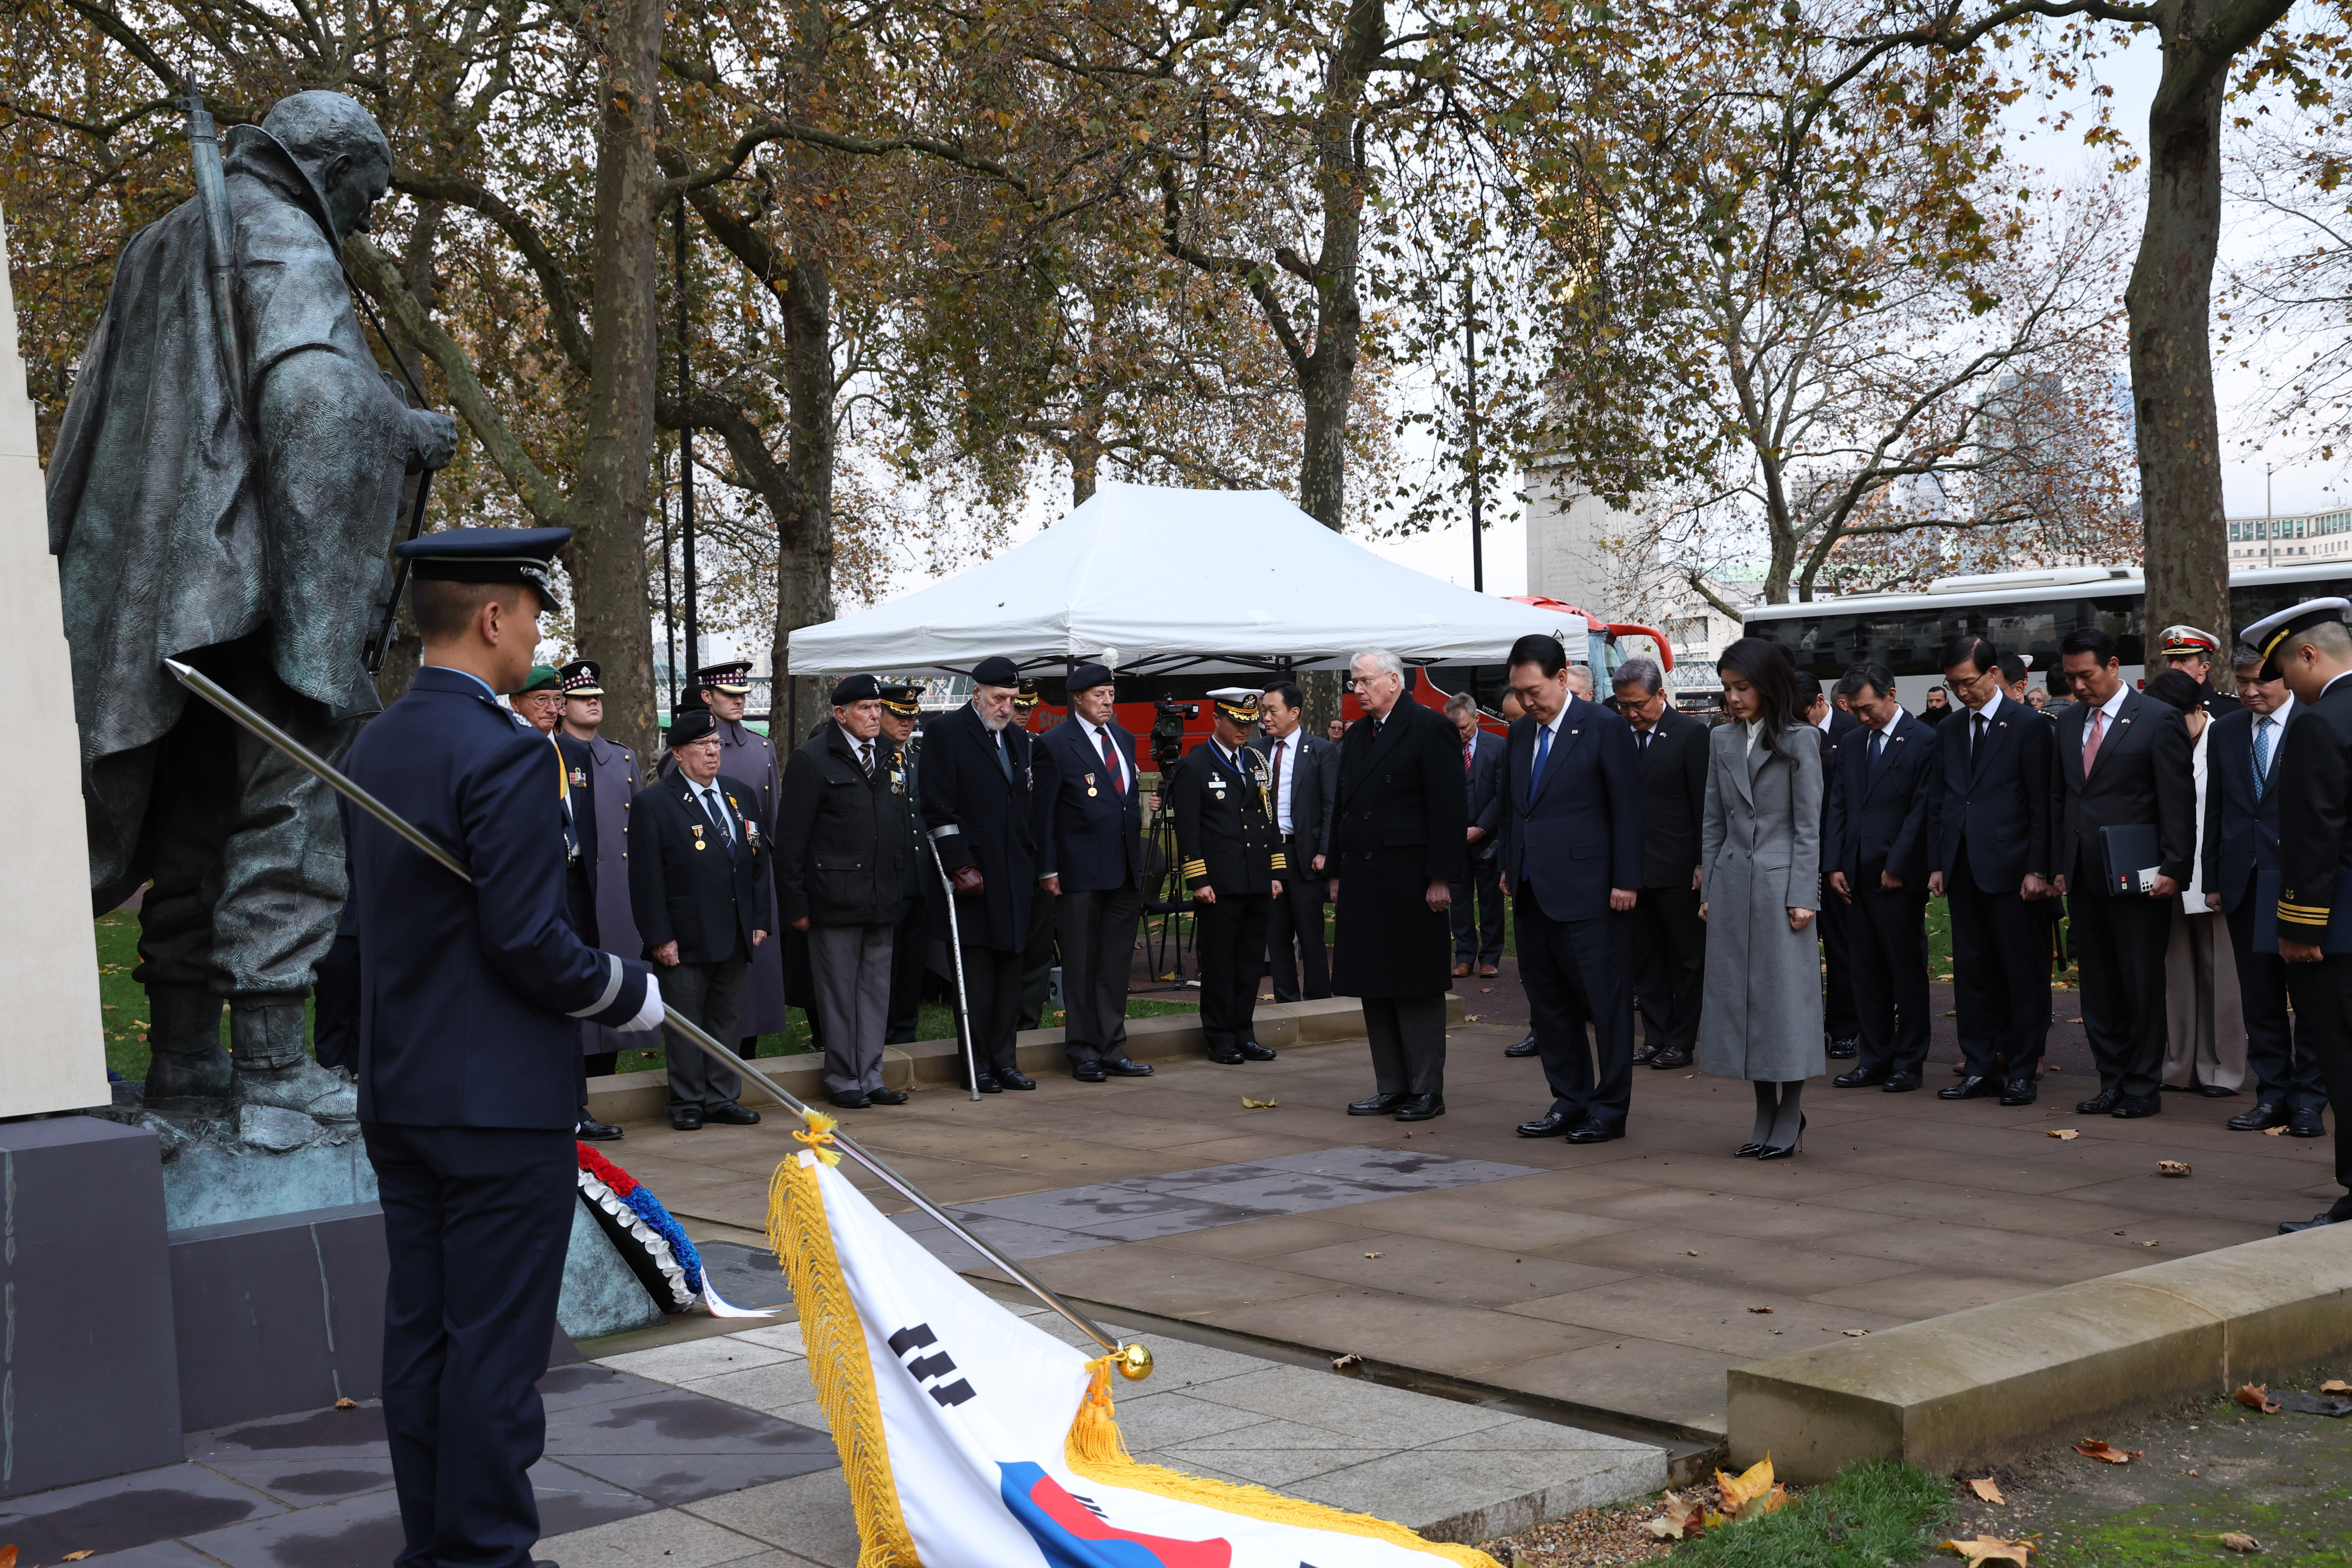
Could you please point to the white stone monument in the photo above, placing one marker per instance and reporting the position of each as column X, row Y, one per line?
column 52, row 1034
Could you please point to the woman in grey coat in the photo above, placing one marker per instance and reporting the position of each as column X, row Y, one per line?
column 1760, row 865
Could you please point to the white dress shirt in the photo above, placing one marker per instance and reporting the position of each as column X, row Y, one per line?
column 1286, row 748
column 1123, row 775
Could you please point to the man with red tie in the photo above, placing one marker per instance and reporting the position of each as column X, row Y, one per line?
column 1092, row 852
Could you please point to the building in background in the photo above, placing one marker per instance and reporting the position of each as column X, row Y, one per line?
column 2258, row 542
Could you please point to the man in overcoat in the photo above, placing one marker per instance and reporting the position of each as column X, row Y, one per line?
column 1093, row 846
column 613, row 780
column 984, row 785
column 1401, row 816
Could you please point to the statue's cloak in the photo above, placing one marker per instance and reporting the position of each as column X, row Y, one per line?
column 177, row 525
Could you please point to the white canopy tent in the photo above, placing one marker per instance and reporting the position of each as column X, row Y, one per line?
column 1154, row 581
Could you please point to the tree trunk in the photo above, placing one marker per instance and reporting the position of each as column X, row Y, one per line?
column 2170, row 302
column 610, row 616
column 804, row 526
column 1326, row 381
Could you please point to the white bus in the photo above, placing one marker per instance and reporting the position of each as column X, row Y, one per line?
column 2022, row 612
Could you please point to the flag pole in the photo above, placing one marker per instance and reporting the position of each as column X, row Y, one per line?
column 1134, row 1360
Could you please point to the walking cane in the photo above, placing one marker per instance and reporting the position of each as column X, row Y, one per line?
column 955, row 957
column 1134, row 1360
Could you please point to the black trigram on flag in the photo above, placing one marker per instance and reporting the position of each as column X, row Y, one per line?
column 930, row 1369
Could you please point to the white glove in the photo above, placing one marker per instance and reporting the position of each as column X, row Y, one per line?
column 650, row 1014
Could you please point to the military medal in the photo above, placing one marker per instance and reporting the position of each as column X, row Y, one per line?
column 698, row 836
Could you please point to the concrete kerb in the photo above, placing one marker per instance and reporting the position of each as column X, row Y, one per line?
column 628, row 1097
column 1978, row 1385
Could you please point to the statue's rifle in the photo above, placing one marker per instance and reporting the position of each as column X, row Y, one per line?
column 220, row 258
column 378, row 647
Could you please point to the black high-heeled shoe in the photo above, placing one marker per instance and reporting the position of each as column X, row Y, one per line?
column 1785, row 1150
column 1748, row 1151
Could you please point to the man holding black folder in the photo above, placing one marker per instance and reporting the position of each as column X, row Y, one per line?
column 2310, row 647
column 2126, row 809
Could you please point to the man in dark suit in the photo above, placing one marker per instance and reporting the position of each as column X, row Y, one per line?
column 1881, row 837
column 1572, row 857
column 1669, row 939
column 1991, row 858
column 1303, row 771
column 2309, row 647
column 1478, row 929
column 910, row 934
column 984, row 787
column 471, row 999
column 698, row 885
column 2122, row 761
column 1396, row 851
column 2241, row 842
column 1833, row 725
column 1093, row 846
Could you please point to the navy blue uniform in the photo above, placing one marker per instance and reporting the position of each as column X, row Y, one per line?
column 1226, row 841
column 2242, row 841
column 468, row 1044
column 1093, row 841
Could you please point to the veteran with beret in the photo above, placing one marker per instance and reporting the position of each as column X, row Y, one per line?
column 1093, row 845
column 723, row 691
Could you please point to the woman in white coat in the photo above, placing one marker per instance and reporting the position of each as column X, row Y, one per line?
column 1760, row 884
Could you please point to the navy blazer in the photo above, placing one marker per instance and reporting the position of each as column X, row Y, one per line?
column 1488, row 763
column 1580, row 833
column 579, row 875
column 1882, row 818
column 2242, row 833
column 2143, row 776
column 469, row 992
column 1094, row 834
column 1995, row 804
column 707, row 899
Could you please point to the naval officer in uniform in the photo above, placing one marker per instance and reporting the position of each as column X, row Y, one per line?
column 2309, row 646
column 470, row 998
column 1225, row 843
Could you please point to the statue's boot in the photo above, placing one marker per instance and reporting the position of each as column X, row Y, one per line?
column 273, row 1068
column 188, row 1073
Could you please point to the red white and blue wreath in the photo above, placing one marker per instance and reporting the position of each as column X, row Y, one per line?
column 648, row 1239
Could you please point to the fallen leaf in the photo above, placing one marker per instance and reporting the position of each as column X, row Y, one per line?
column 2107, row 1453
column 2236, row 1539
column 78, row 1556
column 1684, row 1517
column 1371, row 1254
column 2173, row 1167
column 2335, row 1386
column 2274, row 1131
column 347, row 1403
column 1982, row 1486
column 1993, row 1548
column 1751, row 1494
column 2067, row 1132
column 1249, row 1104
column 2256, row 1396
column 2148, row 1243
column 1341, row 1362
column 7, row 1557
column 1689, row 1254
column 1854, row 1333
column 1760, row 1309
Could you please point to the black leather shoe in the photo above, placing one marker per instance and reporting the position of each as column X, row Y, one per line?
column 1227, row 1057
column 2308, row 1124
column 2215, row 1091
column 1861, row 1078
column 988, row 1084
column 1013, row 1078
column 1971, row 1088
column 1786, row 1151
column 2131, row 1109
column 1748, row 1150
column 1376, row 1105
column 1642, row 1057
column 2098, row 1104
column 1091, row 1073
column 1253, row 1051
column 1666, row 1058
column 1123, row 1068
column 593, row 1131
column 1592, row 1130
column 686, row 1120
column 1420, row 1108
column 1902, row 1084
column 731, row 1115
column 2020, row 1091
column 1524, row 1047
column 850, row 1100
column 1551, row 1125
column 2260, row 1119
column 1844, row 1050
column 2296, row 1226
column 888, row 1097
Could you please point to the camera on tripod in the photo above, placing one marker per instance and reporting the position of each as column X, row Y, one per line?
column 1167, row 729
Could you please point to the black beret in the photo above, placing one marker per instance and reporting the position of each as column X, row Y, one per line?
column 996, row 671
column 1087, row 677
column 856, row 689
column 690, row 724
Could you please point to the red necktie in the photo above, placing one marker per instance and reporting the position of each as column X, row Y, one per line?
column 1110, row 760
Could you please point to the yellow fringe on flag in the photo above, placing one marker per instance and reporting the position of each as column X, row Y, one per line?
column 1096, row 1451
column 835, row 1342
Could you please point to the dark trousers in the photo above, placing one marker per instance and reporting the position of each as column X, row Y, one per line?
column 2322, row 1012
column 2120, row 946
column 910, row 948
column 1575, row 970
column 991, row 995
column 1229, row 939
column 1038, row 960
column 476, row 1222
column 1294, row 934
column 1478, row 935
column 2285, row 1071
column 2000, row 977
column 713, row 996
column 1669, row 942
column 1885, row 932
column 1095, row 929
column 1408, row 1041
column 1839, row 1015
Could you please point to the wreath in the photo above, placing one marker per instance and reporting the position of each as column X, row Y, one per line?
column 642, row 1230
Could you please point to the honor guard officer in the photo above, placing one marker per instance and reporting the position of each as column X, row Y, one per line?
column 1226, row 840
column 753, row 760
column 471, row 999
column 911, row 940
column 2309, row 646
column 2192, row 653
column 611, row 785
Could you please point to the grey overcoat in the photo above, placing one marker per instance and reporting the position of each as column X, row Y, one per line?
column 1760, row 855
